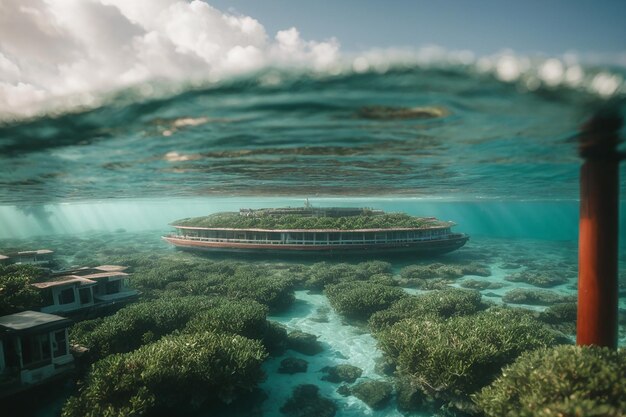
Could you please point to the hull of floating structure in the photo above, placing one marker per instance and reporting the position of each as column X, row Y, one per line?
column 425, row 247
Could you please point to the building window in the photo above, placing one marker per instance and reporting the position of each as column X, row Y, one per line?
column 295, row 236
column 59, row 344
column 46, row 298
column 85, row 295
column 35, row 348
column 66, row 296
column 112, row 287
column 12, row 360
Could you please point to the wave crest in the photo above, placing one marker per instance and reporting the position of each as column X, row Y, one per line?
column 68, row 55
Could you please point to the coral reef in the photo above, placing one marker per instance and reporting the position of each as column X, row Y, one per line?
column 385, row 366
column 479, row 285
column 450, row 359
column 383, row 279
column 242, row 317
column 292, row 366
column 344, row 390
column 321, row 274
column 16, row 292
column 275, row 339
column 559, row 313
column 184, row 372
column 438, row 275
column 440, row 270
column 304, row 343
column 535, row 297
column 561, row 317
column 439, row 304
column 359, row 300
column 376, row 394
column 543, row 279
column 184, row 276
column 138, row 324
column 145, row 322
column 440, row 347
column 409, row 396
column 562, row 381
column 342, row 373
column 305, row 401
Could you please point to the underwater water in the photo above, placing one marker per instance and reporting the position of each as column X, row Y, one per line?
column 100, row 185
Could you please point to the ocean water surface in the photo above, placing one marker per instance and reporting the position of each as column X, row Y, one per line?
column 100, row 186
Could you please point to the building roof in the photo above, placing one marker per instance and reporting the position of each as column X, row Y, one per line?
column 3, row 257
column 86, row 270
column 111, row 268
column 65, row 280
column 106, row 275
column 35, row 252
column 28, row 320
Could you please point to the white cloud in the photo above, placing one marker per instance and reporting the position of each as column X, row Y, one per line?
column 291, row 48
column 60, row 54
column 8, row 70
column 68, row 52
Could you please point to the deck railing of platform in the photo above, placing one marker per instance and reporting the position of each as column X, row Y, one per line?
column 310, row 242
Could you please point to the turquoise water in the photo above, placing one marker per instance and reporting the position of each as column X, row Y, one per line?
column 285, row 134
column 493, row 157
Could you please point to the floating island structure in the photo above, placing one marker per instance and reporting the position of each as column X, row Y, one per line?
column 323, row 230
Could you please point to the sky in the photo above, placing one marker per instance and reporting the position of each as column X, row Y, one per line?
column 69, row 53
column 482, row 26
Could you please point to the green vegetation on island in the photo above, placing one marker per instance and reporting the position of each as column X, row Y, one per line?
column 233, row 220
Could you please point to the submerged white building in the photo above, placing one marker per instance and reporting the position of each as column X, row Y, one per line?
column 86, row 290
column 34, row 348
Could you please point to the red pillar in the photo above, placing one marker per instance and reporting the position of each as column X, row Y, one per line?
column 598, row 233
